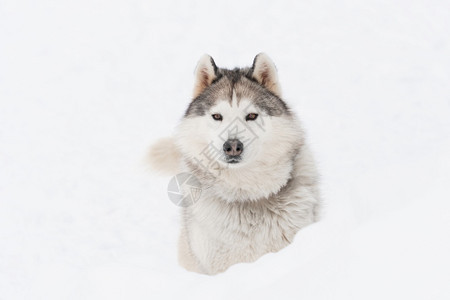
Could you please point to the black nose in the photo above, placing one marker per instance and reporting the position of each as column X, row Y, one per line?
column 233, row 147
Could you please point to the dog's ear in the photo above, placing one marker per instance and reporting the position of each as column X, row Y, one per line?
column 205, row 73
column 265, row 72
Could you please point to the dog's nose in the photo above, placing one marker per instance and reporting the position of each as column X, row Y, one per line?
column 233, row 147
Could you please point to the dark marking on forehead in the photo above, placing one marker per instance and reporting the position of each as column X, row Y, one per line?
column 240, row 81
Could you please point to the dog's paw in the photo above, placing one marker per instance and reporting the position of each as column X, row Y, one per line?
column 164, row 157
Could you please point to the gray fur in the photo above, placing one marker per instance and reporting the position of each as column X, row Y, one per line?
column 240, row 81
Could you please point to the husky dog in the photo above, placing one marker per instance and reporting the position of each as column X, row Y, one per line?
column 247, row 149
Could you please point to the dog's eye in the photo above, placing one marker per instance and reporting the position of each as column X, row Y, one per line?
column 217, row 117
column 251, row 117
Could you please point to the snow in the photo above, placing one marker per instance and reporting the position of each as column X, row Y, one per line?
column 87, row 86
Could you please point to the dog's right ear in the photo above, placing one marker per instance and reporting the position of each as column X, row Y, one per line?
column 205, row 73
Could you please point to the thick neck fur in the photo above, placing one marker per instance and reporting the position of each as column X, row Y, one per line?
column 255, row 181
column 262, row 176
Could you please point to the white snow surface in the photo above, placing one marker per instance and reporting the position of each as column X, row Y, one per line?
column 87, row 86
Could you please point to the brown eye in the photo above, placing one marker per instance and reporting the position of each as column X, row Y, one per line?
column 217, row 117
column 251, row 117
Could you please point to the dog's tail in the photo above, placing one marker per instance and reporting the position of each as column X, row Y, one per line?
column 164, row 157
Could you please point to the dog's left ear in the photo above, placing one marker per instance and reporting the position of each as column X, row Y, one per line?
column 205, row 73
column 265, row 72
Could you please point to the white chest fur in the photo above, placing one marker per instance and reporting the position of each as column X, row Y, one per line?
column 219, row 233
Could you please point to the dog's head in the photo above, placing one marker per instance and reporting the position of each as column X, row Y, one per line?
column 237, row 118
